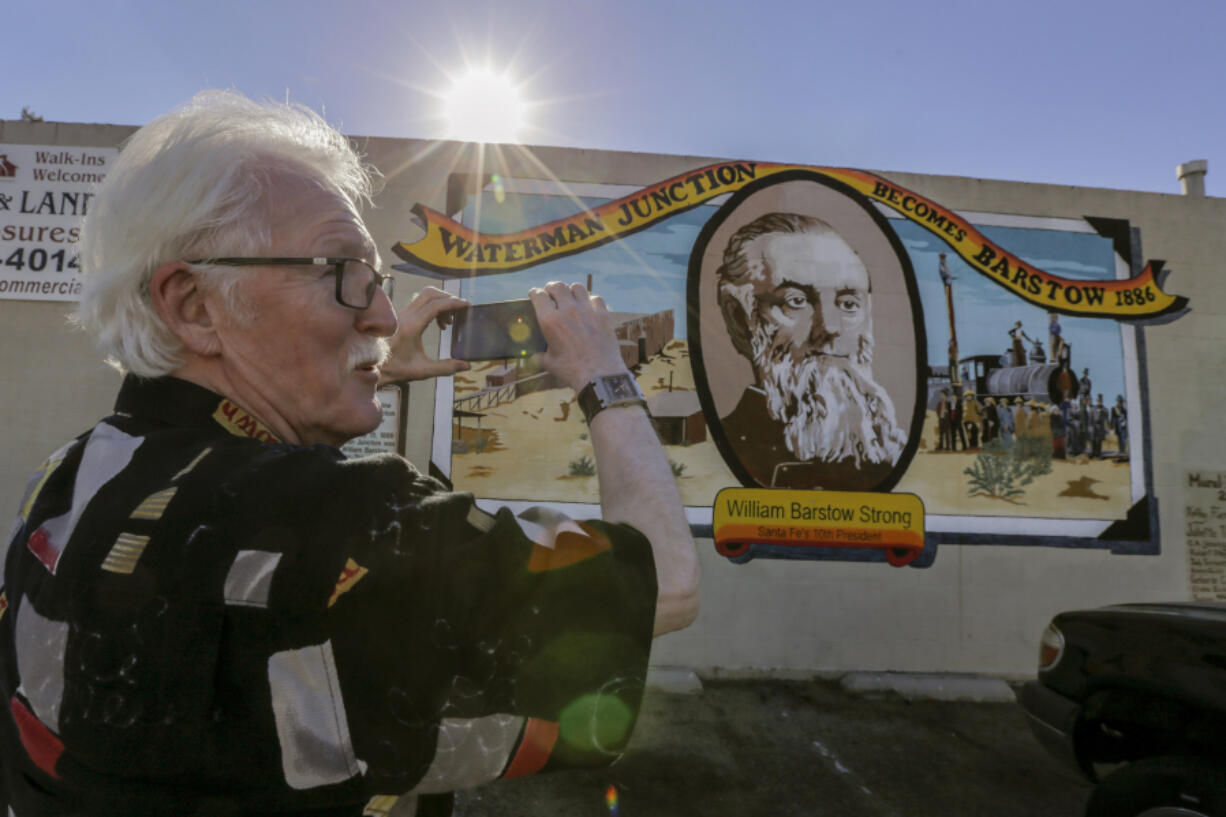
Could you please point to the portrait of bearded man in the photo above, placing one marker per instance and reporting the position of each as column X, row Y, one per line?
column 797, row 302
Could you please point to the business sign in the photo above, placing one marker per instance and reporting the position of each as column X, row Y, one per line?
column 45, row 192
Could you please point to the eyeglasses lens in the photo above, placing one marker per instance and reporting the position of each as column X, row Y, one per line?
column 358, row 282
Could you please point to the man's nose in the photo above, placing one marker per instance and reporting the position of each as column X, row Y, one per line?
column 378, row 319
column 825, row 323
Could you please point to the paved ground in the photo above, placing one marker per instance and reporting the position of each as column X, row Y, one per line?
column 806, row 749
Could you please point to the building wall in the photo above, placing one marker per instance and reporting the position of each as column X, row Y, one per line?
column 977, row 608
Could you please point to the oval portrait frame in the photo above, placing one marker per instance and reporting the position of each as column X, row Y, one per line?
column 901, row 353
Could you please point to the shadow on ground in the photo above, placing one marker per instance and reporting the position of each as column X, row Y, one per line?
column 806, row 749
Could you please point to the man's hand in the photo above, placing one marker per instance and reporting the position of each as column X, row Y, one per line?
column 409, row 360
column 577, row 327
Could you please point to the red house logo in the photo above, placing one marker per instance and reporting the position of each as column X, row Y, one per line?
column 8, row 170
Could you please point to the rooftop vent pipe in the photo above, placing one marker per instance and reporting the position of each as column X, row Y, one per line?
column 1192, row 176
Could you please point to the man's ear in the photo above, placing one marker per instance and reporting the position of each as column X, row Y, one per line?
column 179, row 299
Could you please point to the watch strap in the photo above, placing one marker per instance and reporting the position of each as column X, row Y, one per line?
column 608, row 391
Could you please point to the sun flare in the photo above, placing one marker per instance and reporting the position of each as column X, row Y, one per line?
column 484, row 106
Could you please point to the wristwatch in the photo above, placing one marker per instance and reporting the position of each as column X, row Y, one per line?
column 608, row 391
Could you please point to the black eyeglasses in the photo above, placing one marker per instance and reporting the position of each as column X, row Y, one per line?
column 356, row 280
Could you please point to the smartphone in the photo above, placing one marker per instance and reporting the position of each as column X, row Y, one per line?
column 496, row 331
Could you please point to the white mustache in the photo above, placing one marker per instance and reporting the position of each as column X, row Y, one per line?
column 368, row 352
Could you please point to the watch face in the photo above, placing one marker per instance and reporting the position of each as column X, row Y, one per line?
column 621, row 387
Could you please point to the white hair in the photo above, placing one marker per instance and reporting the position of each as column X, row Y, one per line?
column 194, row 183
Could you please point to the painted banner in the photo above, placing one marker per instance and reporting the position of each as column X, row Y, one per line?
column 449, row 249
column 45, row 192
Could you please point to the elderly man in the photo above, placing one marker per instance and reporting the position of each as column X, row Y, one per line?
column 210, row 610
column 797, row 302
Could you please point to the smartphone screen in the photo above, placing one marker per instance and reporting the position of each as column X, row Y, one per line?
column 496, row 331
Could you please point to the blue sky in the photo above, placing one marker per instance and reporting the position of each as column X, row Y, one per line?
column 1107, row 94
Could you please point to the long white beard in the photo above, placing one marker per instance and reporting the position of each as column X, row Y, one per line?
column 831, row 409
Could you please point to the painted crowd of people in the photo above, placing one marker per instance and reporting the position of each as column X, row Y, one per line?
column 1075, row 426
column 1078, row 425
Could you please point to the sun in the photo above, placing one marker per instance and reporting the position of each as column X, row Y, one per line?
column 484, row 106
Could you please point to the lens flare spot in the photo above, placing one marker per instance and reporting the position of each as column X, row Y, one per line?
column 601, row 722
column 520, row 331
column 610, row 799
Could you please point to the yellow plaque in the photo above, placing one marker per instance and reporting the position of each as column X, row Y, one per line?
column 893, row 523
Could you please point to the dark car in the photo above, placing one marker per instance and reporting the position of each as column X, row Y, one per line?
column 1140, row 688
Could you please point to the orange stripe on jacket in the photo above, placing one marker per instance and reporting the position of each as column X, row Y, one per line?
column 534, row 748
column 568, row 548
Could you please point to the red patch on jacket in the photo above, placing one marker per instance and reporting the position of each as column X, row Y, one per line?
column 40, row 743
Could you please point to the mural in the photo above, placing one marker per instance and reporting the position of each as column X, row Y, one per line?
column 786, row 278
column 814, row 330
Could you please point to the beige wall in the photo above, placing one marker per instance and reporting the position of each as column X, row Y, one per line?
column 977, row 609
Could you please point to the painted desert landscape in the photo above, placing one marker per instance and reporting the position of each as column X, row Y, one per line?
column 534, row 447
